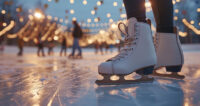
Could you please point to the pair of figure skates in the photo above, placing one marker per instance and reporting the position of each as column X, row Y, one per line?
column 144, row 56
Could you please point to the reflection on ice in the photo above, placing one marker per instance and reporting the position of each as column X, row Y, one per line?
column 113, row 92
column 61, row 82
column 197, row 74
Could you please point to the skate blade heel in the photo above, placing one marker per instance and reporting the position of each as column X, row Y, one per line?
column 145, row 71
column 174, row 72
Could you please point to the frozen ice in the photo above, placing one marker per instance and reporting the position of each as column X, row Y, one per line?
column 59, row 81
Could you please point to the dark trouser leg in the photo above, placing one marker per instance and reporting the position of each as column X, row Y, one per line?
column 20, row 51
column 61, row 51
column 74, row 47
column 135, row 8
column 65, row 51
column 163, row 13
column 49, row 51
column 42, row 49
column 38, row 52
column 79, row 48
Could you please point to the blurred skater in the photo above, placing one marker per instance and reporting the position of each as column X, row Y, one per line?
column 98, row 47
column 1, row 48
column 63, row 46
column 106, row 46
column 20, row 46
column 77, row 34
column 50, row 48
column 2, row 42
column 40, row 46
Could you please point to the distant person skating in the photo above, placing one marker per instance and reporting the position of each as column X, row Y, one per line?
column 50, row 48
column 77, row 34
column 20, row 46
column 63, row 47
column 1, row 46
column 40, row 46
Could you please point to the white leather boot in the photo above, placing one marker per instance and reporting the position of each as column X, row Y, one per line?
column 138, row 54
column 169, row 54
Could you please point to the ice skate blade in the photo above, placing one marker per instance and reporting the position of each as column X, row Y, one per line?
column 179, row 77
column 121, row 82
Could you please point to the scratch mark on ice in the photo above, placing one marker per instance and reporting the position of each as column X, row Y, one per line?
column 52, row 98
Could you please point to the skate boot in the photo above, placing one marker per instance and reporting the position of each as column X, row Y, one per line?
column 71, row 56
column 78, row 56
column 138, row 55
column 169, row 54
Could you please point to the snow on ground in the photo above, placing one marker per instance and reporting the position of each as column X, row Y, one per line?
column 59, row 81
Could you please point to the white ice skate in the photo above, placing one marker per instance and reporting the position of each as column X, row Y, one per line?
column 138, row 55
column 169, row 54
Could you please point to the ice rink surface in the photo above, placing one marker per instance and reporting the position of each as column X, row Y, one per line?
column 59, row 81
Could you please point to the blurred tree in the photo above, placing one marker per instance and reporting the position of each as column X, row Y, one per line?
column 187, row 9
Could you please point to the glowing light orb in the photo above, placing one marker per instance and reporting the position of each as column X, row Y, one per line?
column 114, row 26
column 96, row 20
column 72, row 11
column 74, row 19
column 55, row 37
column 49, row 17
column 84, row 2
column 147, row 4
column 92, row 12
column 98, row 3
column 71, row 1
column 175, row 18
column 3, row 11
column 192, row 22
column 89, row 20
column 38, row 15
column 110, row 20
column 115, row 4
column 198, row 9
column 102, row 32
column 108, row 15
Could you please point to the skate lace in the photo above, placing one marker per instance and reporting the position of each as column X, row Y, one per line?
column 129, row 42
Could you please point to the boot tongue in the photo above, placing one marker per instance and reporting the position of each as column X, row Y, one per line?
column 131, row 25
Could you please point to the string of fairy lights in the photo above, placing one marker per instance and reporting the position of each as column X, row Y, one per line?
column 94, row 24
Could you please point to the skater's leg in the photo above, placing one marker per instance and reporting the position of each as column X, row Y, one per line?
column 163, row 13
column 42, row 49
column 22, row 50
column 79, row 48
column 73, row 47
column 52, row 52
column 49, row 52
column 65, row 51
column 38, row 52
column 168, row 41
column 76, row 43
column 135, row 8
column 61, row 51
